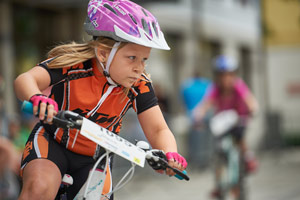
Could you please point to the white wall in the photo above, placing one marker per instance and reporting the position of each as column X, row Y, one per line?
column 232, row 22
column 283, row 65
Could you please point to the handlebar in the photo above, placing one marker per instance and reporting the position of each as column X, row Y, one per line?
column 69, row 119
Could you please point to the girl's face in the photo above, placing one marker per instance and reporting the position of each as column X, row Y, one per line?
column 129, row 63
column 226, row 80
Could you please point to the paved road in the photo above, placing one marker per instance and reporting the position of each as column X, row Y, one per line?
column 278, row 178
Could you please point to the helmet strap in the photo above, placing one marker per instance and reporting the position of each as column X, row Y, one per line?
column 108, row 63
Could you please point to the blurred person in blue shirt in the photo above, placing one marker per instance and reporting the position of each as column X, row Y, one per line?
column 193, row 91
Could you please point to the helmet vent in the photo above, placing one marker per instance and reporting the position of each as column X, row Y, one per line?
column 110, row 8
column 144, row 12
column 132, row 18
column 145, row 25
column 155, row 28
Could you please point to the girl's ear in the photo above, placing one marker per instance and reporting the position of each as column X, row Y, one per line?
column 102, row 55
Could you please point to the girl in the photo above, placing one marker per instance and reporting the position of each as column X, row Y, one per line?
column 230, row 92
column 100, row 80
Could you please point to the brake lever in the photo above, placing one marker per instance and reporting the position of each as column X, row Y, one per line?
column 178, row 174
column 68, row 119
column 146, row 147
column 63, row 123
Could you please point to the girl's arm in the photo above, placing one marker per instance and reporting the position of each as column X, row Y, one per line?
column 34, row 82
column 201, row 109
column 159, row 135
column 243, row 90
column 251, row 103
column 156, row 130
column 31, row 82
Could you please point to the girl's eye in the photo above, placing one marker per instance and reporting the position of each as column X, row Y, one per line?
column 131, row 57
column 145, row 61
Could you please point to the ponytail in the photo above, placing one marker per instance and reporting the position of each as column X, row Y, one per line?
column 74, row 53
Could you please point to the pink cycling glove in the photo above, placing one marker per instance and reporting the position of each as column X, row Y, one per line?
column 177, row 157
column 40, row 98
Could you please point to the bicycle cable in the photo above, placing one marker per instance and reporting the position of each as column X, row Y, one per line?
column 93, row 170
column 119, row 185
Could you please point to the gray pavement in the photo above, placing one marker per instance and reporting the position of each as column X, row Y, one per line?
column 278, row 178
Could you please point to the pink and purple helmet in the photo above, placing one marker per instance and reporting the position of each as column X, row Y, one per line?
column 124, row 21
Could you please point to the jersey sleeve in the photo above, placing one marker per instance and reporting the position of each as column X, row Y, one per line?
column 56, row 74
column 145, row 98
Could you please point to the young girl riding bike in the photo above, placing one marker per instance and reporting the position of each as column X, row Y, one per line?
column 230, row 92
column 100, row 80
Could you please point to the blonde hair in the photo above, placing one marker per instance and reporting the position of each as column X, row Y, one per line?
column 74, row 53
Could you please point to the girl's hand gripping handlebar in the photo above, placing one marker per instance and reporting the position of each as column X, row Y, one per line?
column 158, row 160
column 63, row 119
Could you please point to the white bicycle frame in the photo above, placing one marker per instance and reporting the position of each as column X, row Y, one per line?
column 219, row 125
column 93, row 187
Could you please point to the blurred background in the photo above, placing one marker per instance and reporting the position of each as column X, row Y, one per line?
column 263, row 35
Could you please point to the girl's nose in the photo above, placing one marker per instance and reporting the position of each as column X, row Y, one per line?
column 139, row 67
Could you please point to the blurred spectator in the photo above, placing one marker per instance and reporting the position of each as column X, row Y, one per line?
column 193, row 90
column 9, row 168
column 10, row 158
column 19, row 129
column 3, row 118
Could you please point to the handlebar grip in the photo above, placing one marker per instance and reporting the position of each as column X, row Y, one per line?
column 27, row 107
column 181, row 175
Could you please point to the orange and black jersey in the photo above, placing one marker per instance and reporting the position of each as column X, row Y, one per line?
column 84, row 89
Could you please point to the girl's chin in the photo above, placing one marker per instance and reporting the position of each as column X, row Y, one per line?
column 127, row 85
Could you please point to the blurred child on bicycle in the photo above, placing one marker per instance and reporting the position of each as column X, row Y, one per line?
column 230, row 92
column 100, row 79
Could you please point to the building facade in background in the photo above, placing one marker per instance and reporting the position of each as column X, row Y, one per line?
column 281, row 28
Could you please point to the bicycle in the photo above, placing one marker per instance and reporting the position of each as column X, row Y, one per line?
column 229, row 160
column 113, row 144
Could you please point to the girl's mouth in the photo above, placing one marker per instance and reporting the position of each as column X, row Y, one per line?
column 133, row 79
